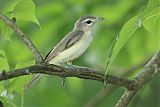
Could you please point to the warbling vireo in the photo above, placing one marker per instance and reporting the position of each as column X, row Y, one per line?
column 74, row 44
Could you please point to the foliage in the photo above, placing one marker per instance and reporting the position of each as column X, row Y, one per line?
column 136, row 22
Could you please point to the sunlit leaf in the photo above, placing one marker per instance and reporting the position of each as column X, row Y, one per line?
column 152, row 23
column 25, row 10
column 6, row 101
column 3, row 61
column 152, row 4
column 21, row 65
column 130, row 28
column 6, row 32
column 151, row 19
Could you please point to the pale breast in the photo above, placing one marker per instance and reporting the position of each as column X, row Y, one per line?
column 74, row 51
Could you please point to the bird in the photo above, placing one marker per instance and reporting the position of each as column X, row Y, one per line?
column 74, row 44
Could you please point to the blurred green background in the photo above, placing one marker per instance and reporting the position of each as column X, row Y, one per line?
column 56, row 18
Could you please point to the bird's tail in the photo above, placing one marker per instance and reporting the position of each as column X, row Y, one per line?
column 37, row 76
column 33, row 80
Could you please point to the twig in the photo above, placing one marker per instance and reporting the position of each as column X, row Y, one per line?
column 38, row 57
column 101, row 95
column 126, row 98
column 84, row 73
column 148, row 72
column 23, row 37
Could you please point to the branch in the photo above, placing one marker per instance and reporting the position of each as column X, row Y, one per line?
column 23, row 37
column 80, row 72
column 147, row 73
column 101, row 95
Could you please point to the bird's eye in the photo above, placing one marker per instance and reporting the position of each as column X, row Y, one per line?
column 88, row 21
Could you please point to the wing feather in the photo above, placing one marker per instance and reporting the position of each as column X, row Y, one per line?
column 64, row 44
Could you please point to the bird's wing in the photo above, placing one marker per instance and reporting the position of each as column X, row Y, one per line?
column 64, row 44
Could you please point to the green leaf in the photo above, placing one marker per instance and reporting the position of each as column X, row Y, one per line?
column 6, row 101
column 18, row 84
column 25, row 10
column 9, row 6
column 152, row 4
column 3, row 61
column 151, row 20
column 157, row 31
column 131, row 26
column 1, row 87
column 126, row 33
column 6, row 32
column 110, row 54
column 152, row 23
column 3, row 66
column 21, row 65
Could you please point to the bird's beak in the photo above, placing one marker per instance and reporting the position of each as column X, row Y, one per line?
column 100, row 18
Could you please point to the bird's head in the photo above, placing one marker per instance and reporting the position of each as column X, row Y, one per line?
column 85, row 23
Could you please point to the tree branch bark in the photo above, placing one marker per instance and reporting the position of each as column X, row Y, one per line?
column 151, row 69
column 80, row 72
column 101, row 95
column 38, row 57
column 23, row 37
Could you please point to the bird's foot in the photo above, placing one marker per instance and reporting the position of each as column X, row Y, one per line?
column 72, row 67
column 80, row 67
column 87, row 69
